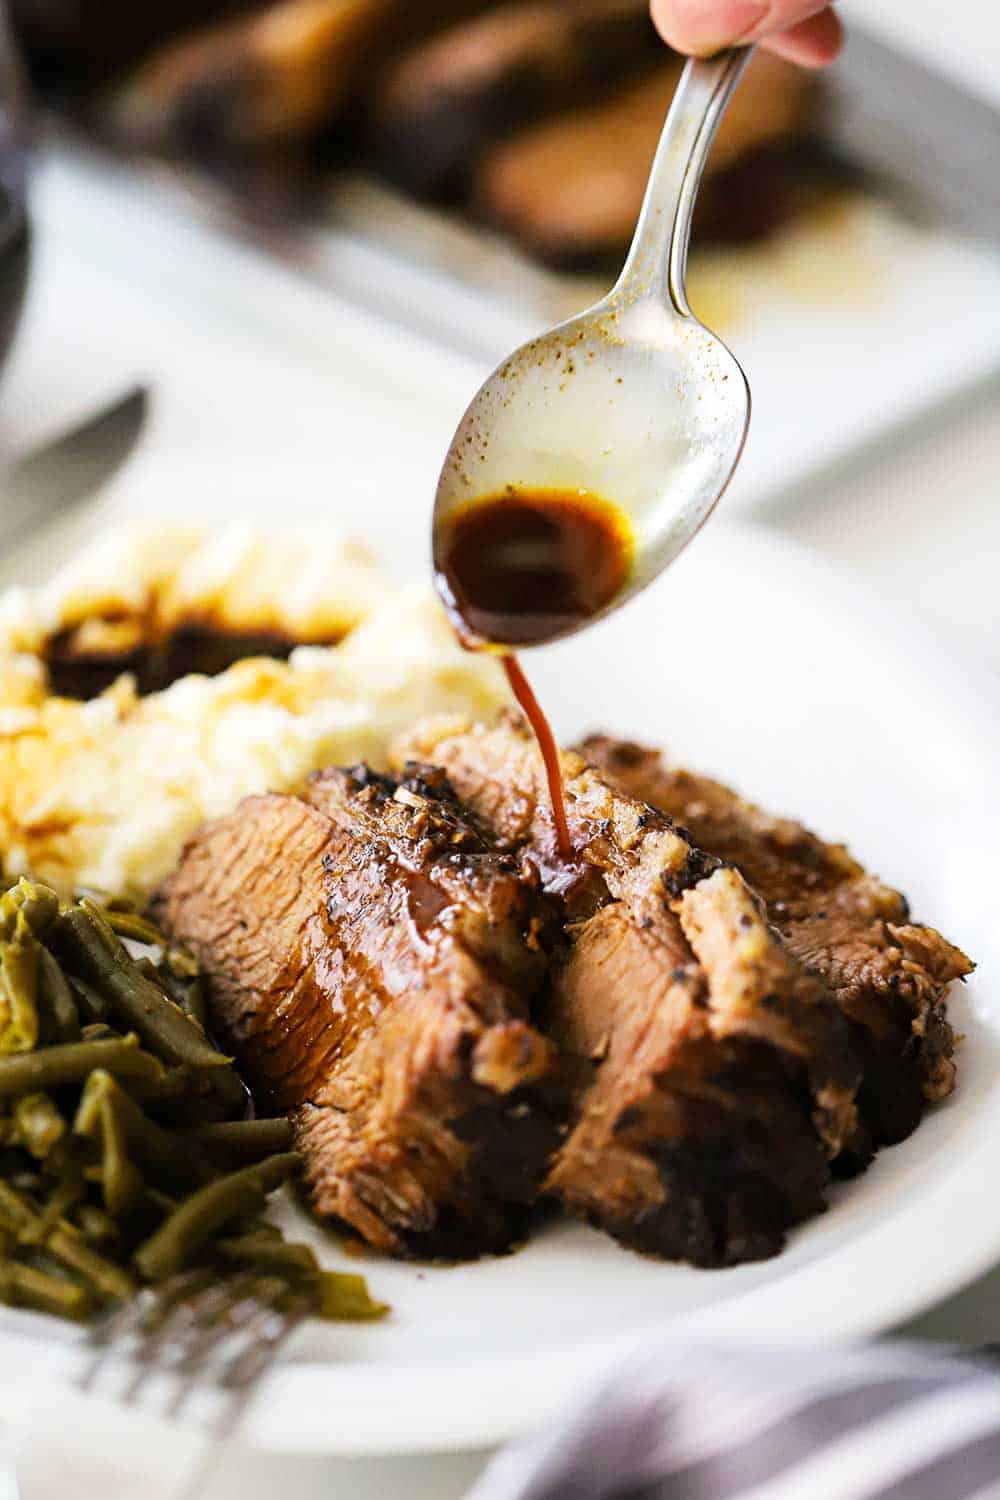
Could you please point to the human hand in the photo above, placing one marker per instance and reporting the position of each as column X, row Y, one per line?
column 805, row 31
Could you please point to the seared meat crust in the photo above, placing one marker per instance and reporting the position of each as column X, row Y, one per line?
column 370, row 960
column 713, row 1075
column 889, row 975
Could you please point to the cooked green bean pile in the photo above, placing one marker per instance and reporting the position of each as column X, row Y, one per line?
column 125, row 1151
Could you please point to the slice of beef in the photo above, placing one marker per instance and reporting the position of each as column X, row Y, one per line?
column 569, row 188
column 371, row 963
column 889, row 974
column 713, row 1076
column 441, row 104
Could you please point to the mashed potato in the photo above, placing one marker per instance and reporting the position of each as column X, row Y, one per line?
column 104, row 793
column 136, row 584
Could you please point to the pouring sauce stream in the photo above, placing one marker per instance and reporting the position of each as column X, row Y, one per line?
column 522, row 690
column 524, row 567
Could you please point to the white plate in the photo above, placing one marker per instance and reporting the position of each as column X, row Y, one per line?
column 754, row 661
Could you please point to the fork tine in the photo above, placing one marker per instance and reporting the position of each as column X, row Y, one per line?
column 264, row 1340
column 196, row 1326
column 224, row 1323
column 181, row 1288
column 114, row 1329
column 186, row 1306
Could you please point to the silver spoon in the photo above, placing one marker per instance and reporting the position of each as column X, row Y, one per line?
column 634, row 400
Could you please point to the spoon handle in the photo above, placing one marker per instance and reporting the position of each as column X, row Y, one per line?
column 658, row 255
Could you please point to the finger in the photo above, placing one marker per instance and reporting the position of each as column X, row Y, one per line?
column 704, row 26
column 812, row 43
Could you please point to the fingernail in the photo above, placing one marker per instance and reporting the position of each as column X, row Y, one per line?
column 740, row 18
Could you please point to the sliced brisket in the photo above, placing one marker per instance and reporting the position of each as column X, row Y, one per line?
column 372, row 963
column 713, row 1075
column 889, row 974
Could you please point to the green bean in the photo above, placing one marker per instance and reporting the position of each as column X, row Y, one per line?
column 94, row 1008
column 121, row 1180
column 63, row 1200
column 246, row 1140
column 230, row 1092
column 28, row 1286
column 60, row 1019
column 38, row 1123
column 196, row 1096
column 189, row 994
column 15, row 1211
column 270, row 1253
column 128, row 924
column 157, row 1114
column 52, row 1067
column 65, row 1244
column 160, row 1150
column 87, row 1121
column 262, row 1227
column 99, row 1032
column 342, row 1296
column 193, row 1223
column 18, row 989
column 89, row 943
column 196, row 1002
column 191, row 1096
column 107, row 1278
column 181, row 964
column 35, row 904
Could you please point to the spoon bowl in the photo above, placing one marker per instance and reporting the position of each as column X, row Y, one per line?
column 634, row 400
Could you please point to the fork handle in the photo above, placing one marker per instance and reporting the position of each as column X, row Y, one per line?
column 657, row 260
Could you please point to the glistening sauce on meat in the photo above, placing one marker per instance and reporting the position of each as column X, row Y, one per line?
column 522, row 568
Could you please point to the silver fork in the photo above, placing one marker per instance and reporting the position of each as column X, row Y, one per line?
column 194, row 1333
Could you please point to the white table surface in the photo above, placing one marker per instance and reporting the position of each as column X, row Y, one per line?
column 918, row 517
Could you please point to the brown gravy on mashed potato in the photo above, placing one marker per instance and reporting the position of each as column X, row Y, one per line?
column 82, row 662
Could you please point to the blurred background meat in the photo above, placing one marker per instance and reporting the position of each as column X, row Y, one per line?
column 571, row 187
column 538, row 117
column 441, row 105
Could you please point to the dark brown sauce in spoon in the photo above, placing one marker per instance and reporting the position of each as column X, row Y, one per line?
column 524, row 567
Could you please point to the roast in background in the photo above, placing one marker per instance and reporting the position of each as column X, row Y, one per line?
column 538, row 117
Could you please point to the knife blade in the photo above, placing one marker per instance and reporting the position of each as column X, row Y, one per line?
column 70, row 469
column 917, row 131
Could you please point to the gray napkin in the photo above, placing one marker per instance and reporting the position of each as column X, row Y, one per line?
column 900, row 1422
